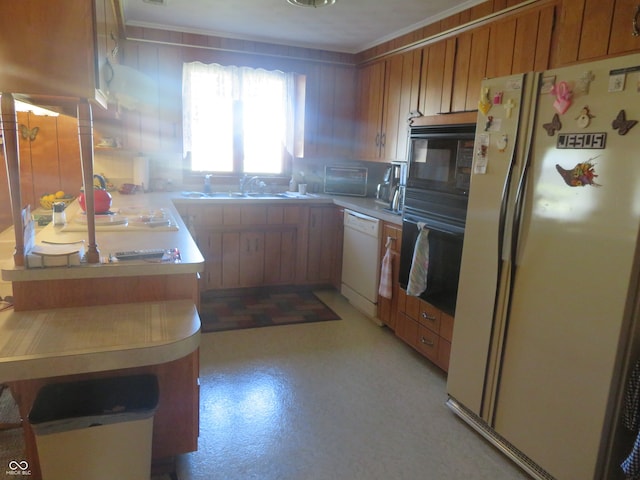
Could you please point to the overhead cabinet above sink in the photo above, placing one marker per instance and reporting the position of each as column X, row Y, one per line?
column 48, row 56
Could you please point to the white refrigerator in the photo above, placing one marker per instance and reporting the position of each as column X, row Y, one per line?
column 545, row 328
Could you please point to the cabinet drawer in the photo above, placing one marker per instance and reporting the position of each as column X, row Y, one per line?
column 424, row 313
column 429, row 316
column 428, row 343
column 407, row 330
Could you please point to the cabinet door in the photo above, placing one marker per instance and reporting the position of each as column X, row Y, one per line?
column 391, row 114
column 461, row 73
column 477, row 66
column 106, row 28
column 501, row 47
column 329, row 111
column 401, row 97
column 437, row 77
column 251, row 259
column 621, row 39
column 230, row 255
column 279, row 257
column 369, row 113
column 596, row 25
column 210, row 245
column 61, row 46
column 321, row 246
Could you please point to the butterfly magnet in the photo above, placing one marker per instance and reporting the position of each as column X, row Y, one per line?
column 553, row 126
column 29, row 133
column 622, row 124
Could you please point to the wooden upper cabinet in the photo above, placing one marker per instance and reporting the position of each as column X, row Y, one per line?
column 607, row 28
column 388, row 92
column 47, row 53
column 593, row 29
column 369, row 111
column 621, row 39
column 436, row 78
column 452, row 69
column 329, row 111
column 401, row 98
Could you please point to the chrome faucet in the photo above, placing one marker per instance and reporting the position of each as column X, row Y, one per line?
column 246, row 184
column 207, row 183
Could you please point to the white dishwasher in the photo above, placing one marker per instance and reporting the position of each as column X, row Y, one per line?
column 361, row 261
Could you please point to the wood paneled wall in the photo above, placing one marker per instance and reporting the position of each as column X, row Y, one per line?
column 161, row 54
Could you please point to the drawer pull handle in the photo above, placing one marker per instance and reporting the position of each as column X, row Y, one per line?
column 636, row 32
column 426, row 341
column 426, row 316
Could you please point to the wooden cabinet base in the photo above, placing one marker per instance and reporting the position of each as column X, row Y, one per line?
column 425, row 328
column 176, row 420
column 44, row 294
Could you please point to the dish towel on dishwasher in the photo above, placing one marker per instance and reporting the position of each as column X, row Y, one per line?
column 419, row 264
column 386, row 273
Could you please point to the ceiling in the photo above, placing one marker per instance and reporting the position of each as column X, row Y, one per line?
column 349, row 26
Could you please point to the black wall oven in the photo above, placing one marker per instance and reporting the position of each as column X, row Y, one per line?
column 436, row 199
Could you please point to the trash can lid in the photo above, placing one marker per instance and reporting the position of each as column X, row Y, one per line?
column 102, row 396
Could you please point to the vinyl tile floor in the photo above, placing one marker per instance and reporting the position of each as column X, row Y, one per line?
column 332, row 400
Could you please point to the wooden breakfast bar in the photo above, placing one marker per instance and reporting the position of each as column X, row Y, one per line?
column 110, row 319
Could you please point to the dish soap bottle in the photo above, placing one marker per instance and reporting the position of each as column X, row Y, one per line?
column 293, row 187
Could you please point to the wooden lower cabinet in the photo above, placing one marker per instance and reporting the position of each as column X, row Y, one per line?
column 175, row 422
column 265, row 245
column 425, row 328
column 245, row 245
column 323, row 253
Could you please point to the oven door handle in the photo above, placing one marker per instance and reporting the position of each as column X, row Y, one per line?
column 435, row 225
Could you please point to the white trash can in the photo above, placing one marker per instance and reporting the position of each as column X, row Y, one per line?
column 96, row 429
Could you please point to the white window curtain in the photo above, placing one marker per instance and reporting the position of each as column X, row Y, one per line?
column 264, row 103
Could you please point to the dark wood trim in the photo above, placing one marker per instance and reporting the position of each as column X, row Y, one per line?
column 446, row 119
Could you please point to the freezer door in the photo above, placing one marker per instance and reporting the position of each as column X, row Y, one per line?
column 496, row 167
column 578, row 235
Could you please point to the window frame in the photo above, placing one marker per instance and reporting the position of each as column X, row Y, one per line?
column 224, row 178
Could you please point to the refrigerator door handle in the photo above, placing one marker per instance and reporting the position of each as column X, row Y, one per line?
column 517, row 217
column 522, row 185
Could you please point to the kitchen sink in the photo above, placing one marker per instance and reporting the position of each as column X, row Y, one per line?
column 240, row 195
column 233, row 195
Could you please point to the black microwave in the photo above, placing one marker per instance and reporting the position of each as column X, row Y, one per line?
column 440, row 158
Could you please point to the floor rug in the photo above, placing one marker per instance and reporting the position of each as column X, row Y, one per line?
column 221, row 311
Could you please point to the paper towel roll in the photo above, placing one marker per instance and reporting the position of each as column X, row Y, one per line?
column 141, row 172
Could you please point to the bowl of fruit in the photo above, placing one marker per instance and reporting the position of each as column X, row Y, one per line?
column 48, row 199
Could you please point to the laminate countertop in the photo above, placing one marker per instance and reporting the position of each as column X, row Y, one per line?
column 116, row 237
column 65, row 341
column 62, row 341
column 51, row 342
column 366, row 205
column 112, row 237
